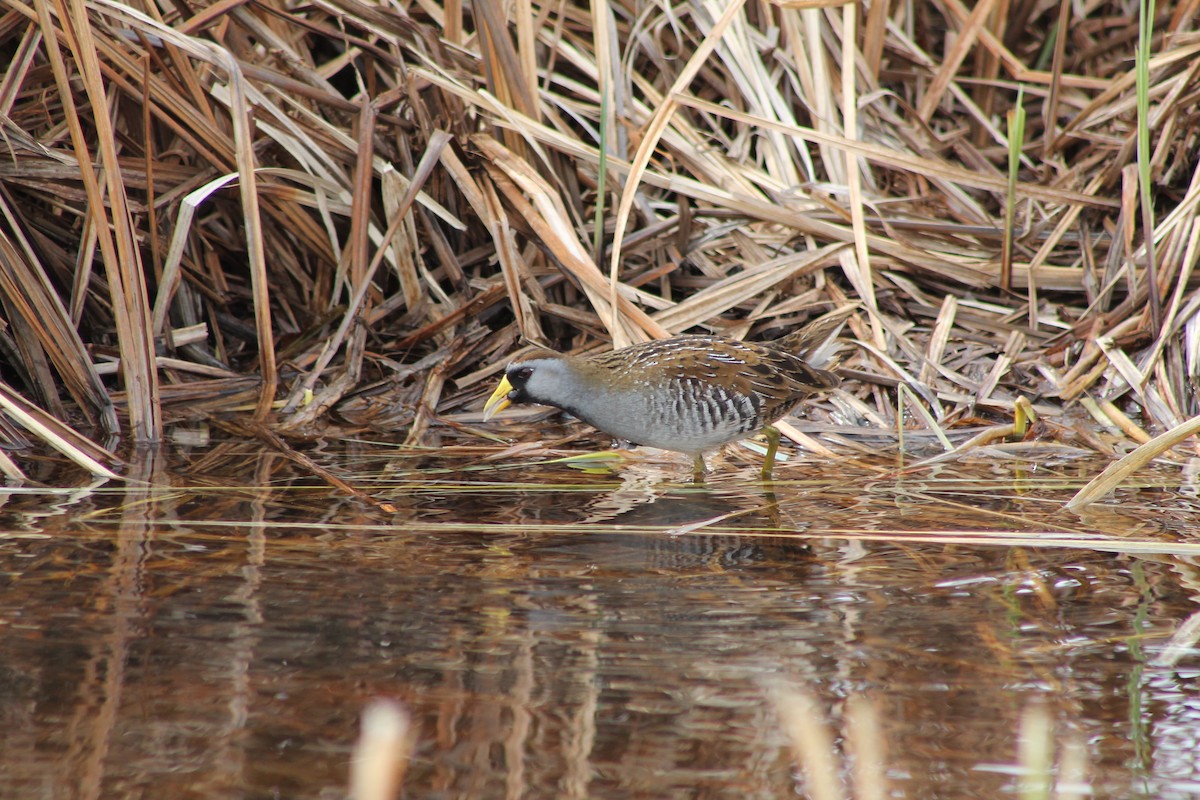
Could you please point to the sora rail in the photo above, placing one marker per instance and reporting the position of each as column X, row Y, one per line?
column 690, row 394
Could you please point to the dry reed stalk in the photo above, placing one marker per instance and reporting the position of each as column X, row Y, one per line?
column 61, row 437
column 260, row 178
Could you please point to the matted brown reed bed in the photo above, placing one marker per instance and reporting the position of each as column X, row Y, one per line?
column 266, row 207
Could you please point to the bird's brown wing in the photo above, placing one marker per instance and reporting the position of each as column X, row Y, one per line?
column 771, row 379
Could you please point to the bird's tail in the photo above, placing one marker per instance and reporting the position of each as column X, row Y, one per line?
column 807, row 342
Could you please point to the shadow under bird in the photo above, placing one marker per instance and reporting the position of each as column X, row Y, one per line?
column 689, row 394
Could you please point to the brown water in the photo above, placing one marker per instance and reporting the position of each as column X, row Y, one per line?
column 559, row 634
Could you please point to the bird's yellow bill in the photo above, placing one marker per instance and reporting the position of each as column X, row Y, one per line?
column 498, row 401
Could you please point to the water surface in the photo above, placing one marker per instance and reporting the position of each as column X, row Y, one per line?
column 216, row 632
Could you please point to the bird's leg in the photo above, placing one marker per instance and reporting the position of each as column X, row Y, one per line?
column 698, row 468
column 772, row 434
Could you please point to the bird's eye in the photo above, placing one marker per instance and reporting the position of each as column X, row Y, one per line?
column 522, row 374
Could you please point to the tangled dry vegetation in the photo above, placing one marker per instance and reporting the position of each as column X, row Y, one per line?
column 269, row 206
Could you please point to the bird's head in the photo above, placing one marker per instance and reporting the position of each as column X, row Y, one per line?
column 539, row 380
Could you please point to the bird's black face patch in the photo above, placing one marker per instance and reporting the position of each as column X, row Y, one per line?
column 519, row 376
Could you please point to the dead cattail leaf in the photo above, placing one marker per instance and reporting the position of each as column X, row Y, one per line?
column 1116, row 473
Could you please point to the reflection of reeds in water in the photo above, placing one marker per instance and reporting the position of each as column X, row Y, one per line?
column 812, row 741
column 382, row 753
column 811, row 738
column 537, row 655
column 385, row 746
